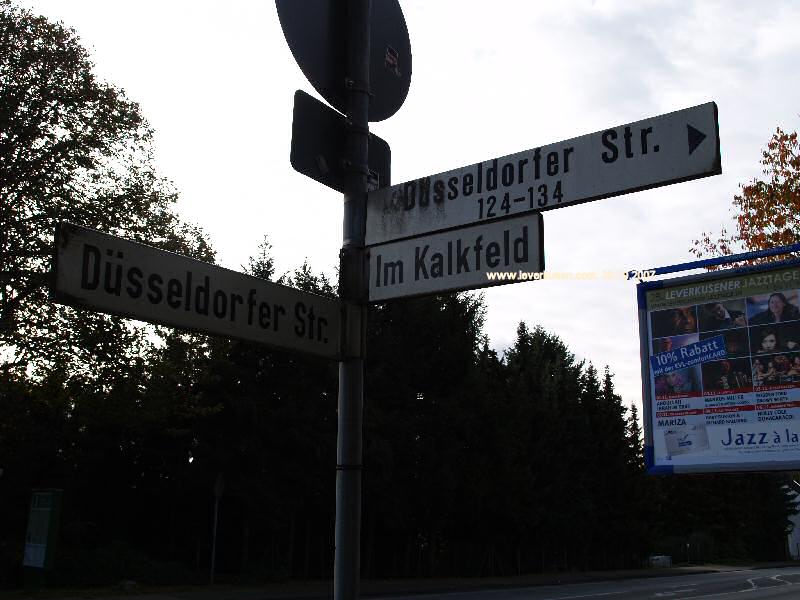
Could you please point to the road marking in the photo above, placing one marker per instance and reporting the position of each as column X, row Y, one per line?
column 587, row 595
column 716, row 594
column 776, row 578
column 753, row 588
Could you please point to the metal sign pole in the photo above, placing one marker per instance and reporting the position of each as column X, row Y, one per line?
column 352, row 291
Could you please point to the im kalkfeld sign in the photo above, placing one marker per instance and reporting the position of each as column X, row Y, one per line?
column 460, row 259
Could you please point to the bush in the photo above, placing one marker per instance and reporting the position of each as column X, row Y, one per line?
column 113, row 563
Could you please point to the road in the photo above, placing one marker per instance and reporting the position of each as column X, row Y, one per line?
column 782, row 583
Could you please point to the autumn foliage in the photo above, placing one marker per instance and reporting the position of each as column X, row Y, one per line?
column 768, row 208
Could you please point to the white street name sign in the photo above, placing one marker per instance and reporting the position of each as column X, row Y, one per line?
column 463, row 259
column 114, row 275
column 670, row 148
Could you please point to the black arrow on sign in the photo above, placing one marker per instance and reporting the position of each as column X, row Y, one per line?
column 695, row 137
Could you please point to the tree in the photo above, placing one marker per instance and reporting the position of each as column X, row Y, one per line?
column 768, row 209
column 420, row 433
column 72, row 148
column 635, row 442
column 767, row 216
column 266, row 420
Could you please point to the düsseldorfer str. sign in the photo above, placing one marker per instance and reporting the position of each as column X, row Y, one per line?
column 674, row 147
column 110, row 274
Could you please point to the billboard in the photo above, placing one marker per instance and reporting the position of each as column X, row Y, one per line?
column 721, row 370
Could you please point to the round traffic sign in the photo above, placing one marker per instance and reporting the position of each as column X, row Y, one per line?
column 316, row 32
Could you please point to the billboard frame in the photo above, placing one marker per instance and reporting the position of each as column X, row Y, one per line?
column 642, row 289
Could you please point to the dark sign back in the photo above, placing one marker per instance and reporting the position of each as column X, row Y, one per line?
column 316, row 33
column 318, row 139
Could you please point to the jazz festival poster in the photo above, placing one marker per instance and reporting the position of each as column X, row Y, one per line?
column 721, row 370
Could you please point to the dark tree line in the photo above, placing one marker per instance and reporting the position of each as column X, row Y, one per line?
column 475, row 463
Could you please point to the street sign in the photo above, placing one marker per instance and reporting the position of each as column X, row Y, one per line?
column 669, row 148
column 316, row 31
column 318, row 143
column 110, row 274
column 484, row 255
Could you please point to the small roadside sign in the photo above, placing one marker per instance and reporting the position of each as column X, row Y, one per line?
column 669, row 148
column 319, row 134
column 484, row 255
column 43, row 524
column 113, row 275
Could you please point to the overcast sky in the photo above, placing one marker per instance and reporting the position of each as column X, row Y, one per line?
column 216, row 80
